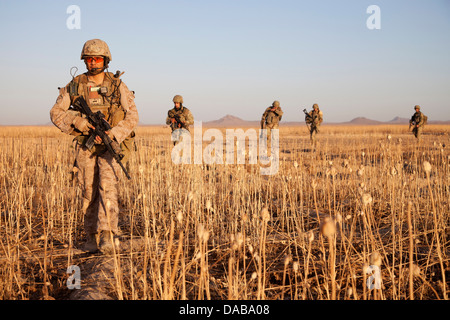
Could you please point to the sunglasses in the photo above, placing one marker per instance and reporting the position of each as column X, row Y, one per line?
column 96, row 59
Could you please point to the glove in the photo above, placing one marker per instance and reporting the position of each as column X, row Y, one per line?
column 81, row 124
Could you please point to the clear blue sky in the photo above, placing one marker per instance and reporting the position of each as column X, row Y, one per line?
column 235, row 57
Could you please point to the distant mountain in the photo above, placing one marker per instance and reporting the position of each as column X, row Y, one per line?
column 230, row 121
column 363, row 121
column 398, row 120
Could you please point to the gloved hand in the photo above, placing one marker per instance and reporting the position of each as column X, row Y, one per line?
column 81, row 124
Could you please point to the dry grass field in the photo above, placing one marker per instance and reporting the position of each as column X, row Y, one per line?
column 367, row 196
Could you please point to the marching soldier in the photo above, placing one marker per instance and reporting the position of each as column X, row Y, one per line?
column 179, row 117
column 98, row 171
column 314, row 119
column 418, row 121
column 271, row 117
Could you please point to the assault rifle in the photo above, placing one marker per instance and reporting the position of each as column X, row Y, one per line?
column 177, row 124
column 97, row 120
column 308, row 118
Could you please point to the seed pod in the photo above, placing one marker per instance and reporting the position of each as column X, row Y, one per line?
column 375, row 259
column 265, row 215
column 328, row 227
column 427, row 166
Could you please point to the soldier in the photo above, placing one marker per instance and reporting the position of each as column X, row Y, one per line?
column 418, row 121
column 179, row 117
column 271, row 117
column 314, row 118
column 98, row 172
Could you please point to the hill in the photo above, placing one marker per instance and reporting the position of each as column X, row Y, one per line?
column 398, row 120
column 230, row 121
column 363, row 121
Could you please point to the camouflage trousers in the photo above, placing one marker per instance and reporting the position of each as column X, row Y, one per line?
column 313, row 131
column 177, row 134
column 417, row 132
column 269, row 128
column 267, row 141
column 98, row 177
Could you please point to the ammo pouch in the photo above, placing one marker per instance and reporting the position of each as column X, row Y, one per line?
column 127, row 146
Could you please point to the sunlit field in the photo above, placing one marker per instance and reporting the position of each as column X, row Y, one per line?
column 366, row 198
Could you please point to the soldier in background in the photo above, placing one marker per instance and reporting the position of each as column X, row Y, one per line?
column 418, row 121
column 314, row 119
column 98, row 172
column 271, row 117
column 179, row 117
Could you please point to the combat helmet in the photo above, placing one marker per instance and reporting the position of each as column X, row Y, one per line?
column 96, row 47
column 276, row 104
column 178, row 98
column 416, row 107
column 315, row 106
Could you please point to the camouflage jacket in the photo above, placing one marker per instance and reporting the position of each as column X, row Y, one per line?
column 316, row 117
column 271, row 117
column 417, row 119
column 179, row 118
column 121, row 113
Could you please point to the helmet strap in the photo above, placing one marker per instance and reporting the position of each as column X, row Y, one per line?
column 96, row 71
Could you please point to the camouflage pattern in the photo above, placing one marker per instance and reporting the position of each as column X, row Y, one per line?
column 98, row 178
column 96, row 47
column 98, row 172
column 272, row 116
column 179, row 118
column 417, row 121
column 178, row 99
column 315, row 119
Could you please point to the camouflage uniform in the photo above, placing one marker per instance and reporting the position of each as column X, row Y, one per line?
column 179, row 118
column 314, row 119
column 418, row 121
column 271, row 117
column 98, row 171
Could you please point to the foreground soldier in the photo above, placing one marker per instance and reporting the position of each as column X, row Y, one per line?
column 271, row 117
column 98, row 171
column 418, row 121
column 179, row 117
column 314, row 118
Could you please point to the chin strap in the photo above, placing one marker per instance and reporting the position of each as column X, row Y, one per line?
column 95, row 71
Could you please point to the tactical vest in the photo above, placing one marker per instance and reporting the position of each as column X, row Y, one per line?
column 420, row 116
column 315, row 118
column 272, row 117
column 106, row 99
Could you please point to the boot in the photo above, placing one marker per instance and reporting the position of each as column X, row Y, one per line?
column 91, row 243
column 109, row 242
